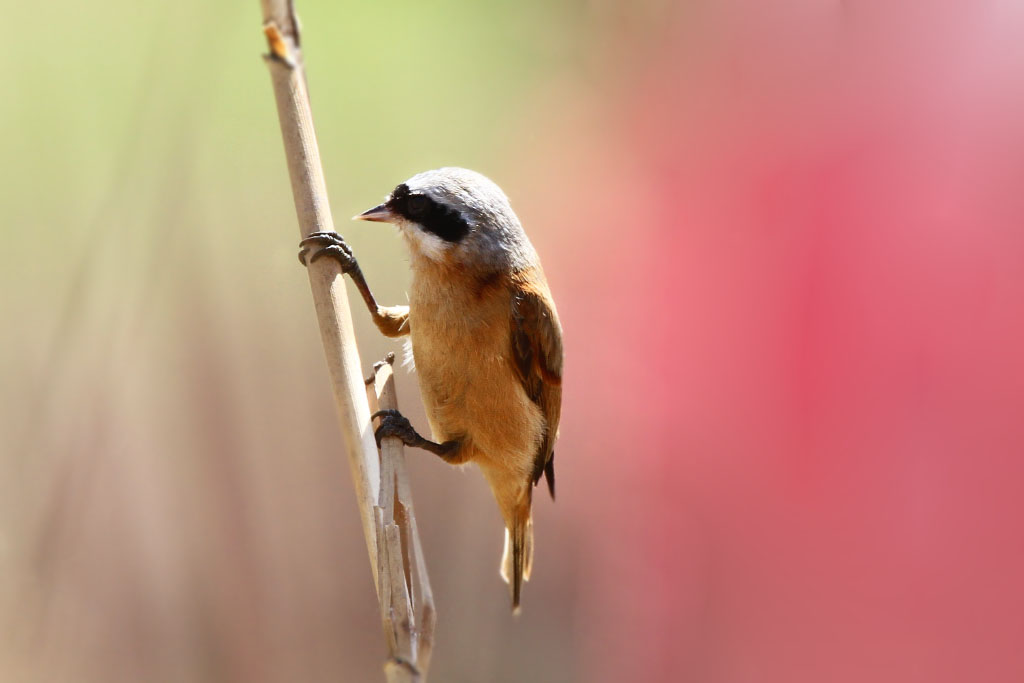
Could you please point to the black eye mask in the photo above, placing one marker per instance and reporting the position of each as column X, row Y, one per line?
column 436, row 218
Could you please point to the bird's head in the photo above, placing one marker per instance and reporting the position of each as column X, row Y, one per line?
column 456, row 216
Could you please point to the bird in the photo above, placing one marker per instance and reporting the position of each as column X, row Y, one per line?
column 486, row 340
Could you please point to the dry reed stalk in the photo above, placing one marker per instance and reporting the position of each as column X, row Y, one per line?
column 385, row 502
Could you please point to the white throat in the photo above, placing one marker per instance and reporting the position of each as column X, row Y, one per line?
column 427, row 244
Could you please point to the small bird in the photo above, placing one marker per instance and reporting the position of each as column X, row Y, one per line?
column 485, row 339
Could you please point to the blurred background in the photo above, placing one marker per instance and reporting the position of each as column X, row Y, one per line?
column 787, row 244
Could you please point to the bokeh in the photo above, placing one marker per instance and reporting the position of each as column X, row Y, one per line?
column 786, row 240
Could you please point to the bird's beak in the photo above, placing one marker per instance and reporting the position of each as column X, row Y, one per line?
column 380, row 214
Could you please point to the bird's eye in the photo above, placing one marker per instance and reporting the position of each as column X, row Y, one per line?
column 417, row 205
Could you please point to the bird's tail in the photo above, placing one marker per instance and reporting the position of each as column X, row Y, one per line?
column 517, row 560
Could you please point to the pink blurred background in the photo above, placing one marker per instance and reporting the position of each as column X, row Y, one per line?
column 787, row 244
column 804, row 273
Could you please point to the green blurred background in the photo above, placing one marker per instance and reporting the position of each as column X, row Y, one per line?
column 175, row 502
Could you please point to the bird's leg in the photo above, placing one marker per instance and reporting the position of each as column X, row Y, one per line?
column 393, row 423
column 392, row 321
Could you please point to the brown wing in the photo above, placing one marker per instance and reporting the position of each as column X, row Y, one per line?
column 537, row 355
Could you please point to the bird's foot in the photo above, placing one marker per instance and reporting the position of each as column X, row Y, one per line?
column 393, row 423
column 330, row 244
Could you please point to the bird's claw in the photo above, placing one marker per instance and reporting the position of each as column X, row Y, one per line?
column 330, row 244
column 393, row 423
